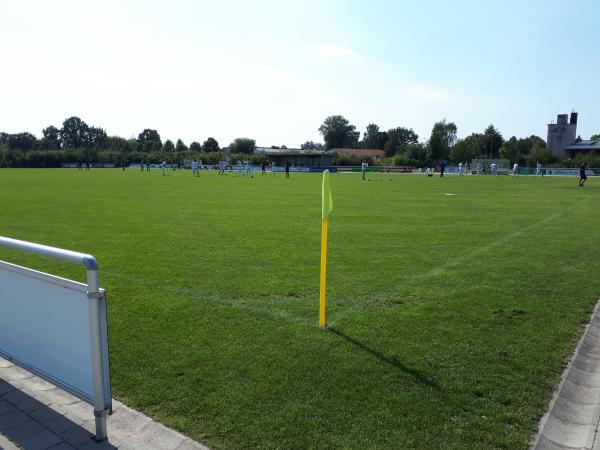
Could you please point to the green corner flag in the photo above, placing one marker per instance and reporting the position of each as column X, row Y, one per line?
column 327, row 204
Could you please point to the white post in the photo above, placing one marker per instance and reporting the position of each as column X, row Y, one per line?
column 95, row 298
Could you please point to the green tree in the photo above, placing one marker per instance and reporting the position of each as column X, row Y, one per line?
column 242, row 145
column 374, row 138
column 310, row 145
column 371, row 136
column 73, row 133
column 398, row 139
column 180, row 146
column 51, row 139
column 526, row 144
column 493, row 140
column 337, row 132
column 479, row 139
column 510, row 150
column 417, row 152
column 210, row 145
column 117, row 143
column 466, row 149
column 149, row 140
column 195, row 147
column 443, row 137
column 128, row 146
column 533, row 140
column 148, row 135
column 168, row 146
column 595, row 137
column 96, row 138
column 539, row 153
column 22, row 141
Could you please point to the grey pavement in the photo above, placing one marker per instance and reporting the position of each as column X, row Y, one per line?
column 35, row 415
column 573, row 415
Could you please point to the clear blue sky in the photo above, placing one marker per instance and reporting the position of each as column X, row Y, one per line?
column 273, row 70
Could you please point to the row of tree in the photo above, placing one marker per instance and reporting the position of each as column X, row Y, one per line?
column 76, row 139
column 402, row 144
column 337, row 132
column 76, row 134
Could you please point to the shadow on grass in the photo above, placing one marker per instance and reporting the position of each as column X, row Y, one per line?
column 393, row 361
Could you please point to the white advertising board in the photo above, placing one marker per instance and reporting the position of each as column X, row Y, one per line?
column 45, row 327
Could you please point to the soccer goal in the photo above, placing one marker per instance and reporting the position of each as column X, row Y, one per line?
column 502, row 165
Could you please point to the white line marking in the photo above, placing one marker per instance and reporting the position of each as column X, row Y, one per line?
column 457, row 261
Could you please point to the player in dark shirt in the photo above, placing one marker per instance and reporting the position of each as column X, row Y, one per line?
column 582, row 175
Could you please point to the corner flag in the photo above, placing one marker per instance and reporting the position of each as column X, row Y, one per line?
column 326, row 208
column 326, row 195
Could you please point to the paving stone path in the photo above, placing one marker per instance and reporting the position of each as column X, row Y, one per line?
column 573, row 416
column 35, row 415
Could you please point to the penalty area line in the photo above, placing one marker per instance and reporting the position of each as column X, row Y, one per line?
column 273, row 313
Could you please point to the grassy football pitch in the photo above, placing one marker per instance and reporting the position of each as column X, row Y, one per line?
column 450, row 317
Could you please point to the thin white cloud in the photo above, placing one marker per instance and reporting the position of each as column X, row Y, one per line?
column 333, row 50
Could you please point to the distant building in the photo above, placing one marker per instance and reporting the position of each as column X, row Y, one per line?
column 581, row 146
column 562, row 134
column 296, row 157
column 361, row 152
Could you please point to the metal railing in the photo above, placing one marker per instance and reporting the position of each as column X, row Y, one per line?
column 100, row 397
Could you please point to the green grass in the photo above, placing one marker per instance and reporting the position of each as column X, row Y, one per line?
column 450, row 317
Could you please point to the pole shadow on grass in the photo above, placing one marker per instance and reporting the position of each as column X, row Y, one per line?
column 393, row 361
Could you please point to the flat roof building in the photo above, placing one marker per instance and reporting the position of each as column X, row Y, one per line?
column 296, row 156
column 581, row 146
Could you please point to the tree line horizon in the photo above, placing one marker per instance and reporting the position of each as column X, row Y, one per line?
column 76, row 141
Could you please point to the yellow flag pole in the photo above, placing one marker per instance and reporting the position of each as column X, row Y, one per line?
column 323, row 283
column 326, row 208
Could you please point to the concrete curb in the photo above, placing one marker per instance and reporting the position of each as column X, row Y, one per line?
column 573, row 416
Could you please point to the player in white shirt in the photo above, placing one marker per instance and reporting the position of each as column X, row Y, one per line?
column 273, row 167
column 363, row 169
column 478, row 168
column 239, row 167
column 515, row 171
column 195, row 171
column 249, row 168
column 493, row 169
column 163, row 166
column 538, row 169
column 460, row 169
